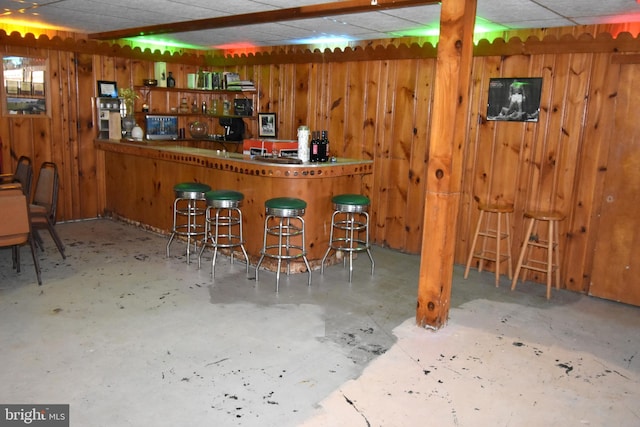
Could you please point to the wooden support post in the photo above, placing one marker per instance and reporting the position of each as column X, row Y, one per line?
column 444, row 170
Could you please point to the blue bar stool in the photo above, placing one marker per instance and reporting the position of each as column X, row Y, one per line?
column 278, row 222
column 351, row 216
column 187, row 212
column 223, row 218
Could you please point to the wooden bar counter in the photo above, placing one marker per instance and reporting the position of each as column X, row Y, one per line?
column 139, row 180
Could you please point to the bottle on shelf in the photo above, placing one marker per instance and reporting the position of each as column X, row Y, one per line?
column 184, row 106
column 194, row 106
column 204, row 107
column 171, row 82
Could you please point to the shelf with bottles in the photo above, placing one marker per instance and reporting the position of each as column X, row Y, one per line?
column 195, row 102
column 195, row 115
column 194, row 91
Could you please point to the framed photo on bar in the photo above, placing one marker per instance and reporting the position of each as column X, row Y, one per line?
column 267, row 125
column 515, row 99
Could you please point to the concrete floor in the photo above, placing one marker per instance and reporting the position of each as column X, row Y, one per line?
column 128, row 337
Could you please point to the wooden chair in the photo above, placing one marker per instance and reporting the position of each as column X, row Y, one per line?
column 15, row 226
column 23, row 175
column 44, row 205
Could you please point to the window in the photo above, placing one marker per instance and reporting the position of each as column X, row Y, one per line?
column 24, row 85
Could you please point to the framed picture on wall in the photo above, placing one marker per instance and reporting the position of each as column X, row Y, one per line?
column 267, row 125
column 515, row 99
column 107, row 89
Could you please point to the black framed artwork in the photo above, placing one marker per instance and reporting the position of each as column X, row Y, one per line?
column 515, row 99
column 267, row 125
column 107, row 89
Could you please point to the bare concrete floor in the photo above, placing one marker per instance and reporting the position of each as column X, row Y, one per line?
column 128, row 337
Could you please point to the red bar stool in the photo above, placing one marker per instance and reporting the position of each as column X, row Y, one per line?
column 351, row 216
column 223, row 224
column 500, row 233
column 550, row 245
column 188, row 213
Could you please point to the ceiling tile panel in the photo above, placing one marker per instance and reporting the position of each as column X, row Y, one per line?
column 91, row 16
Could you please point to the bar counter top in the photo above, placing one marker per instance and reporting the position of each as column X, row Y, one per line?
column 193, row 152
column 139, row 179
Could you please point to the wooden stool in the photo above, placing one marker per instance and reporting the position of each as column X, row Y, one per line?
column 534, row 241
column 498, row 234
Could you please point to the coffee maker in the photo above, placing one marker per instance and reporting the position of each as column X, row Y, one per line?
column 233, row 128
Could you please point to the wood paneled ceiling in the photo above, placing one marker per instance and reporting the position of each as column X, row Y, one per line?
column 216, row 24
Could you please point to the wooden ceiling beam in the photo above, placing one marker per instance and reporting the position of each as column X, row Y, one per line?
column 278, row 15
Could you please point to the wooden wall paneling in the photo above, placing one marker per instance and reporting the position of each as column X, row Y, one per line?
column 351, row 143
column 21, row 138
column 419, row 153
column 81, row 134
column 339, row 80
column 571, row 134
column 403, row 102
column 548, row 157
column 369, row 137
column 616, row 261
column 590, row 174
column 384, row 133
column 313, row 95
column 65, row 133
column 59, row 138
column 301, row 97
column 325, row 98
column 263, row 85
column 570, row 146
column 467, row 214
column 276, row 89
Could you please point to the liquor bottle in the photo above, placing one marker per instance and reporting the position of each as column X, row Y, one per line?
column 323, row 148
column 204, row 107
column 315, row 142
column 171, row 82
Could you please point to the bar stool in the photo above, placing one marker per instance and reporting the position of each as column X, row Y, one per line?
column 185, row 207
column 498, row 234
column 227, row 216
column 280, row 212
column 533, row 240
column 346, row 208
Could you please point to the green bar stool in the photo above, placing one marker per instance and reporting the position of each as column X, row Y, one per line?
column 223, row 224
column 351, row 216
column 284, row 221
column 187, row 212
